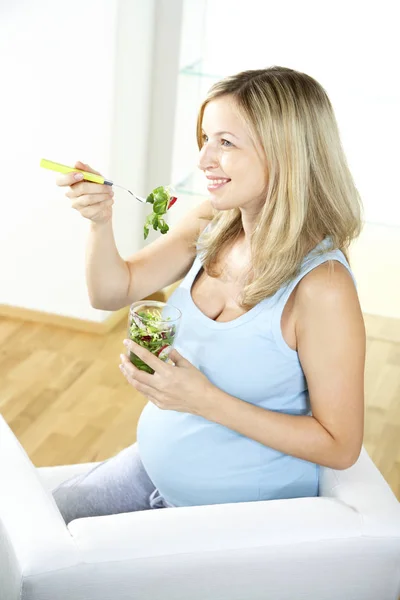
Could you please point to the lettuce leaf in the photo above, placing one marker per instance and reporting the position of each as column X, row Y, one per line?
column 159, row 198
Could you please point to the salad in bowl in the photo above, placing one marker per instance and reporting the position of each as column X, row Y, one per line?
column 153, row 325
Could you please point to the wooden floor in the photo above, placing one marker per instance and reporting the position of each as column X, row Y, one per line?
column 66, row 400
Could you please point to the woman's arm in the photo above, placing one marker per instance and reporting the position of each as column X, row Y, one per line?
column 331, row 346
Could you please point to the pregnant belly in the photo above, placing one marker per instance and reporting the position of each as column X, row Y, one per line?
column 193, row 461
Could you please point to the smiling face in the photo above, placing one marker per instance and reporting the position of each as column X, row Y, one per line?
column 234, row 165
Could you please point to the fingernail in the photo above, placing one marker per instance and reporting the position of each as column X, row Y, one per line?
column 126, row 342
column 78, row 176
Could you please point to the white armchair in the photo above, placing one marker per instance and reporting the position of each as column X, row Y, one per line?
column 344, row 544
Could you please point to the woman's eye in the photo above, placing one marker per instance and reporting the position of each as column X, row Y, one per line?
column 225, row 143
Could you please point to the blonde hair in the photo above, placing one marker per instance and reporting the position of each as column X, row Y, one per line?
column 311, row 193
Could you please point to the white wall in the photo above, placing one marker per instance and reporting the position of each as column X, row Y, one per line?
column 164, row 116
column 75, row 86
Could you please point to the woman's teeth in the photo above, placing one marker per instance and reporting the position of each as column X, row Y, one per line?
column 216, row 183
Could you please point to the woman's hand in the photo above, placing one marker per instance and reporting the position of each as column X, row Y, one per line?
column 181, row 387
column 93, row 200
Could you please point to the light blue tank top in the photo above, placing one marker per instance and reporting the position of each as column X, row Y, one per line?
column 193, row 461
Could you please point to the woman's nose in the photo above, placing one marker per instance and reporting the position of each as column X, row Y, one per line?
column 208, row 158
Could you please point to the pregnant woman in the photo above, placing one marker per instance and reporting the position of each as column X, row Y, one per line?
column 268, row 376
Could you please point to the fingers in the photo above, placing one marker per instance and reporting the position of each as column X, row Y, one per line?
column 92, row 200
column 85, row 167
column 153, row 361
column 88, row 188
column 64, row 179
column 133, row 372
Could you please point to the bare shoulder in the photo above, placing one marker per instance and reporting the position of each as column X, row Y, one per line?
column 323, row 273
column 327, row 291
column 335, row 278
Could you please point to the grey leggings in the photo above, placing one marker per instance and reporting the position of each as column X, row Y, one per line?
column 117, row 485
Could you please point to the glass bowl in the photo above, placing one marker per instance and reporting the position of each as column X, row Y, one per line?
column 153, row 325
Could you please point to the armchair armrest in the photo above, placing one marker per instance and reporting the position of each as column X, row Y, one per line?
column 364, row 488
column 33, row 536
column 213, row 528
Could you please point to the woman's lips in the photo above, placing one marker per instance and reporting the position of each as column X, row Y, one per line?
column 216, row 184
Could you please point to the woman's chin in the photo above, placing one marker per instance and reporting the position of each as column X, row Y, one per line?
column 218, row 203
